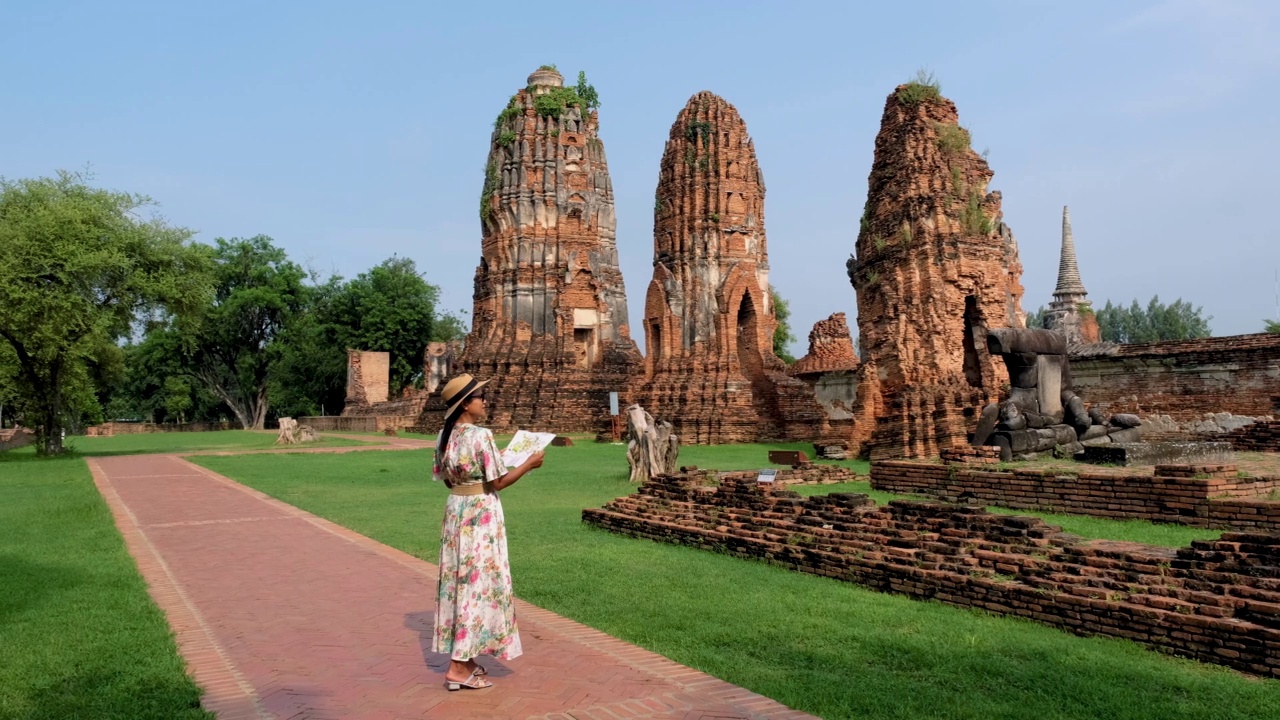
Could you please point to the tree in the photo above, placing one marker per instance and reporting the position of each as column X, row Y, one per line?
column 390, row 308
column 450, row 327
column 782, row 335
column 77, row 265
column 158, row 385
column 258, row 291
column 1036, row 319
column 1272, row 326
column 310, row 374
column 588, row 93
column 1157, row 321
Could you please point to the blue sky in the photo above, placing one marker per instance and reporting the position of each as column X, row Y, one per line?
column 350, row 132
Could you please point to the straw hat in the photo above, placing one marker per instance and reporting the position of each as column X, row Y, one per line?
column 456, row 392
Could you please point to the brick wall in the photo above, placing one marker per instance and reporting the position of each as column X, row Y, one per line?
column 15, row 438
column 368, row 375
column 358, row 423
column 1182, row 379
column 1204, row 496
column 804, row 475
column 119, row 428
column 1213, row 601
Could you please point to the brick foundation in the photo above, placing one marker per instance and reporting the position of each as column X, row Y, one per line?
column 1258, row 437
column 1198, row 495
column 1216, row 601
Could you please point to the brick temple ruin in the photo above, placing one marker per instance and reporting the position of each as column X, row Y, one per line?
column 370, row 404
column 830, row 368
column 1070, row 311
column 550, row 327
column 709, row 320
column 935, row 267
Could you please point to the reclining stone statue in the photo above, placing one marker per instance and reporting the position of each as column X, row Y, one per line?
column 1042, row 414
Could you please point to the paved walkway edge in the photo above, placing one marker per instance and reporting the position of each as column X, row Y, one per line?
column 231, row 697
column 226, row 693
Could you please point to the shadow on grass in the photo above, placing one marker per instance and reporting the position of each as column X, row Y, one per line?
column 110, row 694
column 27, row 584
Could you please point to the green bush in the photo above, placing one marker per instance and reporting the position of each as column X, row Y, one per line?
column 952, row 139
column 700, row 128
column 512, row 110
column 920, row 88
column 491, row 180
column 974, row 220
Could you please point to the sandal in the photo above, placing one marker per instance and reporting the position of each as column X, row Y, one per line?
column 478, row 669
column 473, row 682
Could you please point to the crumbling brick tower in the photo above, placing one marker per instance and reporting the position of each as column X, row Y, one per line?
column 709, row 318
column 550, row 313
column 935, row 267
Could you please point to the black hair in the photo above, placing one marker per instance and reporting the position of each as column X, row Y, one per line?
column 442, row 440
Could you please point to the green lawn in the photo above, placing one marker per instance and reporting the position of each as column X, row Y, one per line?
column 826, row 647
column 79, row 636
column 148, row 443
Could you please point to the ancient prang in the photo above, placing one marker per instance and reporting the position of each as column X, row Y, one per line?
column 550, row 313
column 935, row 266
column 709, row 318
column 830, row 369
column 1070, row 313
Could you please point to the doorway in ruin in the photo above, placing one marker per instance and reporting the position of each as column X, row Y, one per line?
column 749, row 340
column 751, row 360
column 584, row 346
column 655, row 341
column 746, row 329
column 972, row 326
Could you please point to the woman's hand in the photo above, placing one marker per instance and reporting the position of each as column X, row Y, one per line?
column 535, row 461
column 515, row 473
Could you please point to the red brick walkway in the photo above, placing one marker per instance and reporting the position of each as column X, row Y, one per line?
column 281, row 614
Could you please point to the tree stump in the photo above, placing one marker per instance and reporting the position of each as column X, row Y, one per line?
column 652, row 449
column 291, row 433
column 288, row 432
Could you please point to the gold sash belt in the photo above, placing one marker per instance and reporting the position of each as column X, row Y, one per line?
column 474, row 489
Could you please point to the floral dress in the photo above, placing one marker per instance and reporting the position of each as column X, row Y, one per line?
column 475, row 612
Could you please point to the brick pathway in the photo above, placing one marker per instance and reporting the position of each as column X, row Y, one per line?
column 281, row 614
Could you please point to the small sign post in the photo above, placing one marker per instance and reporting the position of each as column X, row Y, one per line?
column 767, row 476
column 615, row 419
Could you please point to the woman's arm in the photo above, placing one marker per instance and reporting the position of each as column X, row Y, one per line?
column 517, row 472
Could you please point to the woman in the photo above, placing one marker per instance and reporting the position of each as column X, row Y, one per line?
column 475, row 612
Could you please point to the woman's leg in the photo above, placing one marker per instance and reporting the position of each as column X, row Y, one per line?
column 459, row 670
